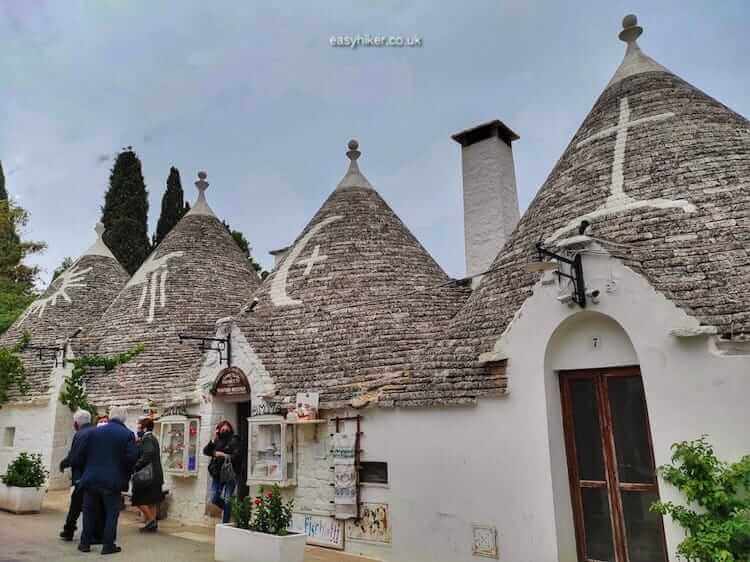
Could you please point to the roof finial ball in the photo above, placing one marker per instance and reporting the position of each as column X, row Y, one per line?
column 202, row 184
column 630, row 29
column 353, row 153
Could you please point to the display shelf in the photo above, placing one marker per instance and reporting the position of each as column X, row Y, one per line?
column 271, row 451
column 179, row 445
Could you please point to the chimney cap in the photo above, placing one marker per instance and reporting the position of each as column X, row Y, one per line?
column 495, row 128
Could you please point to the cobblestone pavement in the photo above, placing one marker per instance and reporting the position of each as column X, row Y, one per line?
column 32, row 538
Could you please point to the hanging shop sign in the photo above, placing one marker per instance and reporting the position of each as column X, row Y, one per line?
column 231, row 381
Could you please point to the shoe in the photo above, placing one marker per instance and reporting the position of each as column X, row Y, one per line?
column 66, row 536
column 113, row 549
column 84, row 548
column 150, row 527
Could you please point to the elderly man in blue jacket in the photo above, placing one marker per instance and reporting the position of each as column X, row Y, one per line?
column 106, row 455
column 82, row 425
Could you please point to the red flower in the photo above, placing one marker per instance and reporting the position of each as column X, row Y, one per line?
column 258, row 501
column 269, row 495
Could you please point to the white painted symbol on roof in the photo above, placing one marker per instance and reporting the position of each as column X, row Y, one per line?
column 69, row 279
column 278, row 286
column 618, row 201
column 153, row 274
column 314, row 258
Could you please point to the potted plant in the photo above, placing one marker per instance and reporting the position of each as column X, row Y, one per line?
column 21, row 489
column 260, row 532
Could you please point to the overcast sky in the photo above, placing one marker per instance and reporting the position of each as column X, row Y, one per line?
column 255, row 95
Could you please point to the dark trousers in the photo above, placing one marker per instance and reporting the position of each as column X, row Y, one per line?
column 74, row 511
column 110, row 501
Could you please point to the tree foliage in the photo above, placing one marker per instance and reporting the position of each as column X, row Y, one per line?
column 17, row 280
column 64, row 265
column 173, row 206
column 12, row 372
column 125, row 212
column 3, row 192
column 719, row 529
column 73, row 393
column 244, row 245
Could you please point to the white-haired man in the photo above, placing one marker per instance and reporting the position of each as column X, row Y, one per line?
column 82, row 425
column 107, row 455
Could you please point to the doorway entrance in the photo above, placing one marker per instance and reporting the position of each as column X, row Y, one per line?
column 611, row 466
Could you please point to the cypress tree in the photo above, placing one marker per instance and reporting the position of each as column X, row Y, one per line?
column 125, row 212
column 3, row 192
column 172, row 206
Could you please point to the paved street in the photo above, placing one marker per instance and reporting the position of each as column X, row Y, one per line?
column 31, row 538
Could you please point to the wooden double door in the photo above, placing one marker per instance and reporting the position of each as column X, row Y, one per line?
column 611, row 466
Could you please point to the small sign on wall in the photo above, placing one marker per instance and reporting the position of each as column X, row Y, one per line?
column 373, row 525
column 231, row 381
column 321, row 530
column 484, row 540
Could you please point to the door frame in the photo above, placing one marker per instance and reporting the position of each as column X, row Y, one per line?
column 619, row 533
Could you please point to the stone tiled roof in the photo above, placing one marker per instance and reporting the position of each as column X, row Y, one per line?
column 75, row 299
column 347, row 310
column 672, row 189
column 195, row 276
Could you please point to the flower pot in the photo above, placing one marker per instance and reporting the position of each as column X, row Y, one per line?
column 21, row 500
column 239, row 545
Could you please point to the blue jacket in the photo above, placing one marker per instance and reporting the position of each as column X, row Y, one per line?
column 107, row 456
column 74, row 446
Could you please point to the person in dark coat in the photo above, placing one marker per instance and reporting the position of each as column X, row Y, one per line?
column 148, row 498
column 82, row 425
column 107, row 456
column 224, row 447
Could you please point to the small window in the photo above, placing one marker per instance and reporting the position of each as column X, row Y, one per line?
column 9, row 437
column 373, row 473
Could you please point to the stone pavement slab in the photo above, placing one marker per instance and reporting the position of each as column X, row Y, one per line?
column 33, row 538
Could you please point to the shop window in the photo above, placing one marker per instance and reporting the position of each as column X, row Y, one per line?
column 179, row 445
column 373, row 473
column 9, row 437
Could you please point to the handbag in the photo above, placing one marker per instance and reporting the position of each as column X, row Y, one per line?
column 227, row 473
column 143, row 477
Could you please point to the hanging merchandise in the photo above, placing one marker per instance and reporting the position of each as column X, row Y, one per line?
column 345, row 475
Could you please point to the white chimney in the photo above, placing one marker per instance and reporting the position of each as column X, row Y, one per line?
column 279, row 255
column 490, row 196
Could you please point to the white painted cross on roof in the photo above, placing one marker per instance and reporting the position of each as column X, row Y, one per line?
column 618, row 201
column 314, row 258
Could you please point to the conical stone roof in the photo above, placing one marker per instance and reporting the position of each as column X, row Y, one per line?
column 195, row 276
column 346, row 311
column 657, row 167
column 75, row 299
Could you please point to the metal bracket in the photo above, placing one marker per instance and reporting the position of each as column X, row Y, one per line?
column 58, row 351
column 576, row 275
column 223, row 346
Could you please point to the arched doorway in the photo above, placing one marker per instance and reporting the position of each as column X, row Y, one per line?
column 607, row 439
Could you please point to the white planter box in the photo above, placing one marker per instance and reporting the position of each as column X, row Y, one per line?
column 21, row 500
column 239, row 545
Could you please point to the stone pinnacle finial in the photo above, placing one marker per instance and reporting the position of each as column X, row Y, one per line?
column 99, row 248
column 353, row 153
column 353, row 177
column 202, row 184
column 99, row 229
column 630, row 29
column 201, row 205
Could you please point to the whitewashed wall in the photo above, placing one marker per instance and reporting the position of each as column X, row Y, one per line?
column 502, row 463
column 44, row 427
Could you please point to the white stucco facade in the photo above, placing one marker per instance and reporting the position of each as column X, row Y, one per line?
column 501, row 463
column 43, row 426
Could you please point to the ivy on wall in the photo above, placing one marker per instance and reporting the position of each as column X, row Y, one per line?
column 73, row 394
column 12, row 372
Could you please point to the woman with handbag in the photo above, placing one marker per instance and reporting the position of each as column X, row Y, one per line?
column 225, row 450
column 148, row 477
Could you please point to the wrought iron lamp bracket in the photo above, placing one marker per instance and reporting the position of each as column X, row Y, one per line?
column 223, row 346
column 575, row 275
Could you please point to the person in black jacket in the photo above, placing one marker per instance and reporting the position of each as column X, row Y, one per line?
column 224, row 447
column 82, row 425
column 148, row 497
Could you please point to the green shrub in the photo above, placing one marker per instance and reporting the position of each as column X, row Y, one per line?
column 719, row 530
column 271, row 515
column 27, row 471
